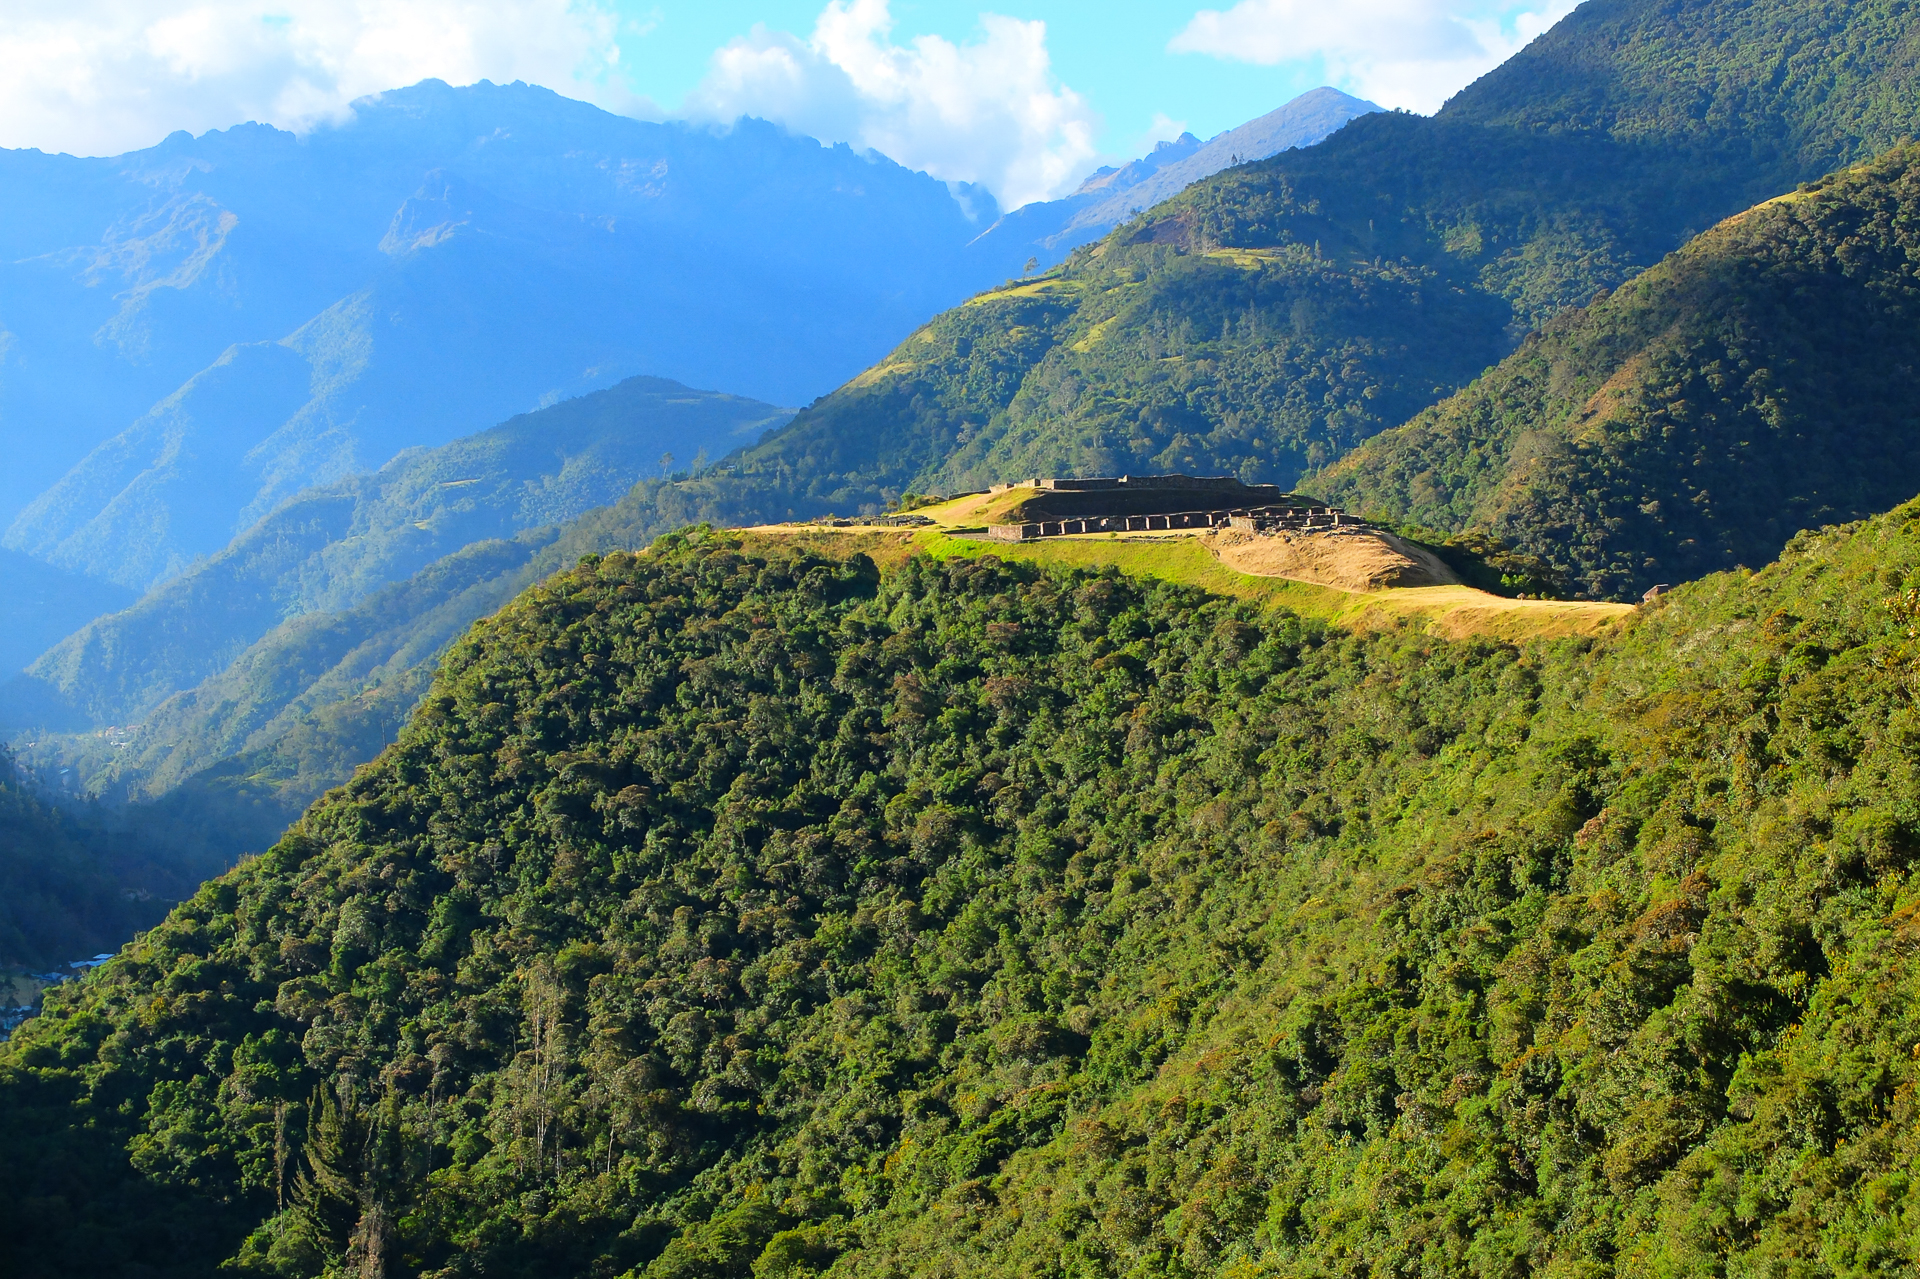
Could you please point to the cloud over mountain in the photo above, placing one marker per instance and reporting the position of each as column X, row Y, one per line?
column 1411, row 54
column 100, row 77
column 990, row 111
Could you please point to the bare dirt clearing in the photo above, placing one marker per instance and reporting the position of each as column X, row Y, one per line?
column 1363, row 560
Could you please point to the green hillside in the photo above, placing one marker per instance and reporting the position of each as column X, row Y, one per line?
column 329, row 548
column 728, row 910
column 223, row 767
column 244, row 752
column 1266, row 321
column 1758, row 382
column 1270, row 318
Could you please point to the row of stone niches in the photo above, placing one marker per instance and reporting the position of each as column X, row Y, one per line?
column 1263, row 519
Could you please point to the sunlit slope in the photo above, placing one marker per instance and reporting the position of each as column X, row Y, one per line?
column 960, row 916
column 1196, row 560
column 1272, row 317
column 1455, row 611
column 1758, row 382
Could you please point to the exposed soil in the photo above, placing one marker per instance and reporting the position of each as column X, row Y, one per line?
column 1363, row 560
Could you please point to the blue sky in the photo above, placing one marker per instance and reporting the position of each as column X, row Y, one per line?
column 1113, row 53
column 1025, row 97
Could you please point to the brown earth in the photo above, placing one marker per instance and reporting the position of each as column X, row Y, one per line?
column 1364, row 560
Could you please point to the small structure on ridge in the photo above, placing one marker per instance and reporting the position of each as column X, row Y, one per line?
column 1148, row 503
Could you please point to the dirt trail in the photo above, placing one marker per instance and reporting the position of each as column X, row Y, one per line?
column 1363, row 560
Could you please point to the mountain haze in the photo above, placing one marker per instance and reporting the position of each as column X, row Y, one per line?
column 43, row 604
column 326, row 549
column 235, row 317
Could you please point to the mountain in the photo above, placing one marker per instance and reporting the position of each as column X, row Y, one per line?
column 739, row 908
column 220, row 767
column 77, row 882
column 328, row 548
column 238, row 756
column 1757, row 382
column 197, row 331
column 261, row 725
column 1113, row 195
column 43, row 604
column 1270, row 318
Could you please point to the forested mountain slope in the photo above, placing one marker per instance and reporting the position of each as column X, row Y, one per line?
column 240, row 755
column 1054, row 228
column 1269, row 319
column 243, row 689
column 1758, row 382
column 73, row 885
column 729, row 909
column 329, row 548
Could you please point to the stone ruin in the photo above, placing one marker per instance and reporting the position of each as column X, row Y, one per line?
column 1150, row 503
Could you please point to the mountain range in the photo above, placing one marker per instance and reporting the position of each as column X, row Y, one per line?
column 217, row 323
column 214, row 674
column 1209, row 334
column 200, row 330
column 1267, row 320
column 672, row 901
column 327, row 548
column 1115, row 194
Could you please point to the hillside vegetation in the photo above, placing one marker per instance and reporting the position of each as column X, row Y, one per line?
column 1265, row 321
column 1758, row 382
column 1269, row 319
column 736, row 909
column 329, row 548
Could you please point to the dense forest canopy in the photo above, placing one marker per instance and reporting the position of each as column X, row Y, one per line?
column 739, row 908
column 1758, row 382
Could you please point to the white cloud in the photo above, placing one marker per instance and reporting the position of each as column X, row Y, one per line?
column 99, row 77
column 1399, row 53
column 989, row 111
column 1163, row 129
